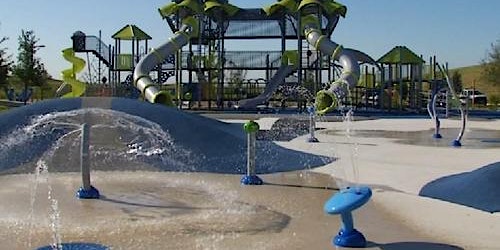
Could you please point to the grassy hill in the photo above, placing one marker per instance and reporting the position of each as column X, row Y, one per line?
column 47, row 92
column 471, row 77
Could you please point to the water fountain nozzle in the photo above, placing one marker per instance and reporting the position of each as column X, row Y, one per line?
column 343, row 203
column 251, row 178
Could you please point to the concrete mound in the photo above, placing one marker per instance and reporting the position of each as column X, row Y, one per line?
column 478, row 189
column 202, row 144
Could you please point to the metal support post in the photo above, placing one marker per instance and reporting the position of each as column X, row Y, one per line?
column 251, row 177
column 87, row 191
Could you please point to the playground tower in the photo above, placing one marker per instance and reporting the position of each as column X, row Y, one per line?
column 204, row 63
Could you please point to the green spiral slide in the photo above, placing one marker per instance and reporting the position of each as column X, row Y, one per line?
column 69, row 75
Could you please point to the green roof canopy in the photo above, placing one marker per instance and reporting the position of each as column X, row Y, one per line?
column 229, row 9
column 400, row 55
column 131, row 32
column 171, row 8
column 330, row 7
column 289, row 5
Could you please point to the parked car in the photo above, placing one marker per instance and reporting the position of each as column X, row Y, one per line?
column 476, row 97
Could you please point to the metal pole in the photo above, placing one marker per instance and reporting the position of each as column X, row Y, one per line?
column 283, row 35
column 84, row 157
column 447, row 114
column 210, row 93
column 86, row 191
column 382, row 88
column 391, row 78
column 268, row 68
column 88, row 68
column 222, row 65
column 420, row 82
column 251, row 154
column 251, row 178
column 366, row 88
column 400, row 79
column 111, row 64
column 299, row 45
column 374, row 79
column 99, row 78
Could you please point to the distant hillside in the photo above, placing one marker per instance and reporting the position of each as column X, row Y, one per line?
column 471, row 77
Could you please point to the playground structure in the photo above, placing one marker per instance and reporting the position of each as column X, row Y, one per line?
column 126, row 217
column 69, row 75
column 199, row 66
column 112, row 75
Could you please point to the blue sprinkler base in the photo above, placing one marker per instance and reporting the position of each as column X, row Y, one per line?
column 437, row 136
column 312, row 139
column 76, row 246
column 350, row 239
column 251, row 180
column 92, row 193
column 456, row 143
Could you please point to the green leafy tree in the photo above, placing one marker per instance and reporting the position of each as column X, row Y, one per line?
column 235, row 79
column 210, row 63
column 5, row 63
column 29, row 68
column 456, row 80
column 491, row 65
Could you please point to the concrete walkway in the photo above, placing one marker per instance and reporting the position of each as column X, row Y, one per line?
column 397, row 172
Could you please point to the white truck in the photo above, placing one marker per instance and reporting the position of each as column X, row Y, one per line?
column 475, row 97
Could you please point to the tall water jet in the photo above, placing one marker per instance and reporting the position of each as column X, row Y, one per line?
column 311, row 109
column 349, row 199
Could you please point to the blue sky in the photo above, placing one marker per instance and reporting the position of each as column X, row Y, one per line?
column 457, row 31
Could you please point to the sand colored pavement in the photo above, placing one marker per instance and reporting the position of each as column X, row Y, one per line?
column 146, row 210
column 166, row 210
column 397, row 172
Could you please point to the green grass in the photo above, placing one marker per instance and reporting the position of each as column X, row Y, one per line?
column 471, row 75
column 3, row 108
column 47, row 92
column 471, row 78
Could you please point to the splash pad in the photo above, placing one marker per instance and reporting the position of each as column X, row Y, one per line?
column 163, row 182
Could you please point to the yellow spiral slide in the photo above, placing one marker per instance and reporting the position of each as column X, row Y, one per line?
column 69, row 75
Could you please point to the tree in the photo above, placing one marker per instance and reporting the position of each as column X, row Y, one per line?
column 491, row 65
column 29, row 68
column 235, row 79
column 5, row 63
column 456, row 80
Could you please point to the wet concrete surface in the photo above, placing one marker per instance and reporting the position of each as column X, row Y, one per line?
column 473, row 138
column 285, row 129
column 145, row 210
